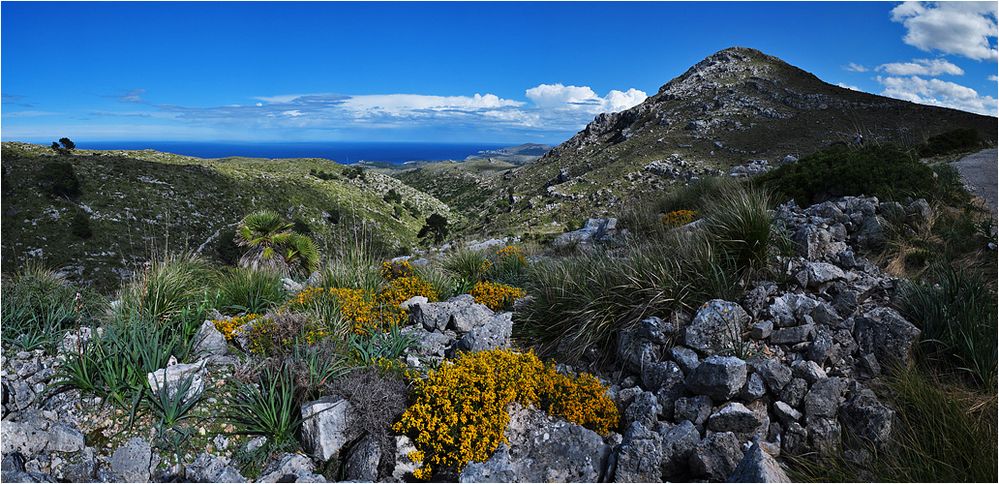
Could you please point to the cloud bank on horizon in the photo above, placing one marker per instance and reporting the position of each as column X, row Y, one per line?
column 952, row 42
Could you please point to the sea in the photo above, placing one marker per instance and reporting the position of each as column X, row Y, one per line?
column 341, row 152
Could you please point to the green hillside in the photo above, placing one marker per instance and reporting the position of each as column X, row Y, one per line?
column 139, row 202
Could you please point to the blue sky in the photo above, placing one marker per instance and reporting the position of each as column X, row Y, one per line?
column 461, row 72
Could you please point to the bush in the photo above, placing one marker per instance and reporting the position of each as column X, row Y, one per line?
column 647, row 216
column 268, row 407
column 496, row 296
column 957, row 316
column 58, row 178
column 226, row 249
column 739, row 221
column 884, row 172
column 434, row 229
column 244, row 290
column 276, row 334
column 378, row 399
column 79, row 225
column 167, row 289
column 38, row 307
column 956, row 140
column 443, row 283
column 392, row 196
column 479, row 387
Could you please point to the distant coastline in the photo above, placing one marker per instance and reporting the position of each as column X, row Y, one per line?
column 341, row 152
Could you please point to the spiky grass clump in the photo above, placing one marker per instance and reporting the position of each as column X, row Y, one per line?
column 166, row 288
column 739, row 221
column 957, row 316
column 245, row 290
column 38, row 307
column 269, row 407
column 468, row 265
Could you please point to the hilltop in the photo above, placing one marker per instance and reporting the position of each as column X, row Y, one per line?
column 734, row 107
column 132, row 203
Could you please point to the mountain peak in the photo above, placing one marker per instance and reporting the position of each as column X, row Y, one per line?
column 729, row 66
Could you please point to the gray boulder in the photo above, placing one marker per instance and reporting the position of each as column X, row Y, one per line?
column 719, row 377
column 645, row 409
column 824, row 398
column 660, row 374
column 427, row 343
column 775, row 374
column 867, row 418
column 362, row 463
column 172, row 378
column 640, row 456
column 291, row 468
column 328, row 426
column 490, row 333
column 734, row 417
column 209, row 342
column 758, row 466
column 716, row 457
column 886, row 334
column 209, row 468
column 460, row 313
column 131, row 461
column 546, row 449
column 717, row 327
column 816, row 274
column 685, row 357
column 679, row 442
column 696, row 409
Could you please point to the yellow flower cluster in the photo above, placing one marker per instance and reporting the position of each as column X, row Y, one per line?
column 460, row 412
column 229, row 326
column 512, row 251
column 678, row 218
column 394, row 270
column 366, row 310
column 494, row 295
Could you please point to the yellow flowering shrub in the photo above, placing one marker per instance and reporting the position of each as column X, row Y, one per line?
column 678, row 218
column 512, row 251
column 394, row 270
column 229, row 326
column 368, row 311
column 460, row 412
column 494, row 295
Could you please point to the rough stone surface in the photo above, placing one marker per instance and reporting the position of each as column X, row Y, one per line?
column 886, row 334
column 717, row 327
column 174, row 377
column 719, row 377
column 716, row 457
column 734, row 417
column 208, row 468
column 758, row 466
column 291, row 468
column 362, row 463
column 490, row 333
column 209, row 341
column 327, row 426
column 640, row 456
column 545, row 449
column 131, row 461
column 696, row 409
column 867, row 418
column 679, row 442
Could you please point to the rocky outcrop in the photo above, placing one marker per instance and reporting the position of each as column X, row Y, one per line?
column 441, row 329
column 543, row 449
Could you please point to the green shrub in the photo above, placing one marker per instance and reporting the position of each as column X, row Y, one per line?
column 392, row 196
column 167, row 288
column 368, row 349
column 956, row 140
column 268, row 407
column 444, row 283
column 957, row 316
column 644, row 216
column 271, row 243
column 58, row 178
column 352, row 172
column 244, row 290
column 227, row 250
column 884, row 172
column 38, row 307
column 739, row 221
column 79, row 225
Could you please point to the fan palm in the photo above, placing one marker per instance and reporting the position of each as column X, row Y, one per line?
column 273, row 245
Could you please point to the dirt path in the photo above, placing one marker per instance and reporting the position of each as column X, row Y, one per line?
column 978, row 170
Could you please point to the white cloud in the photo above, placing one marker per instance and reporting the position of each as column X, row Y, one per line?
column 994, row 78
column 962, row 28
column 921, row 67
column 854, row 67
column 583, row 98
column 847, row 86
column 937, row 93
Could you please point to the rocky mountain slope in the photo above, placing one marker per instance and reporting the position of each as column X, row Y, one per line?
column 737, row 107
column 131, row 203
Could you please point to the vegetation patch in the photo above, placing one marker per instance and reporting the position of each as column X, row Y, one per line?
column 460, row 412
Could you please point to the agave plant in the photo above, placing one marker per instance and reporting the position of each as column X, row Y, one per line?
column 273, row 245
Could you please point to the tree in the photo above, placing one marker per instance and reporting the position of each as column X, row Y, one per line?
column 64, row 146
column 435, row 227
column 271, row 243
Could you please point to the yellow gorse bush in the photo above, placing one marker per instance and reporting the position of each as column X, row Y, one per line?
column 494, row 295
column 512, row 251
column 229, row 326
column 678, row 218
column 460, row 413
column 368, row 311
column 393, row 270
